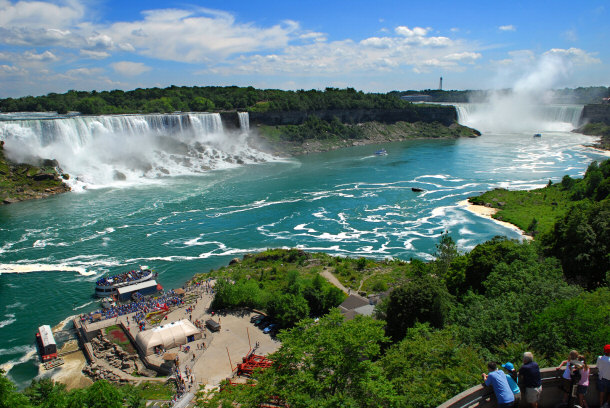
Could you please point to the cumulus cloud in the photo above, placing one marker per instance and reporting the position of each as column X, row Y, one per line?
column 130, row 68
column 44, row 56
column 98, row 55
column 575, row 55
column 407, row 32
column 38, row 14
column 508, row 27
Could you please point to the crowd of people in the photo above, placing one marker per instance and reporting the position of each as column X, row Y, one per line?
column 508, row 385
column 140, row 306
column 123, row 277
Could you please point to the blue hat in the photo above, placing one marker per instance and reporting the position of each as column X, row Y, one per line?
column 509, row 366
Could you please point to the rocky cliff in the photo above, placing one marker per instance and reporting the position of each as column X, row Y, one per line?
column 21, row 181
column 596, row 113
column 443, row 114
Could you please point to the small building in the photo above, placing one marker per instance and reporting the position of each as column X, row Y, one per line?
column 212, row 325
column 46, row 343
column 356, row 305
column 167, row 336
column 145, row 288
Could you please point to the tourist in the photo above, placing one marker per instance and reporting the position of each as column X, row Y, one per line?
column 567, row 377
column 497, row 379
column 532, row 381
column 603, row 381
column 513, row 380
column 583, row 383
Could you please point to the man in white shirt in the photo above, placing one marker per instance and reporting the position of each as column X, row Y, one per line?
column 603, row 381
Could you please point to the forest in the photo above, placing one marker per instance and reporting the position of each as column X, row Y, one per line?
column 215, row 98
column 436, row 326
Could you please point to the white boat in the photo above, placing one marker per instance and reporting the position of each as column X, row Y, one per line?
column 108, row 286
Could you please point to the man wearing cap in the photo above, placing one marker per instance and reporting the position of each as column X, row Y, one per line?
column 603, row 381
column 512, row 379
column 497, row 379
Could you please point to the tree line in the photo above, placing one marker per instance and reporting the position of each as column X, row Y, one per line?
column 201, row 99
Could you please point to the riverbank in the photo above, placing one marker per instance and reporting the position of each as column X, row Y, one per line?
column 274, row 137
column 489, row 212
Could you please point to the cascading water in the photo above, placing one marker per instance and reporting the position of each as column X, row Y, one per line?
column 244, row 122
column 507, row 116
column 102, row 150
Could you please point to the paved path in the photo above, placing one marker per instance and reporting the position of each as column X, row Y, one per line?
column 332, row 279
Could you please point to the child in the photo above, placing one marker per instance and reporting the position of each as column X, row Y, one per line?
column 583, row 384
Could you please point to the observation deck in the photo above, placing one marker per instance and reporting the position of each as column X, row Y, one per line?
column 481, row 396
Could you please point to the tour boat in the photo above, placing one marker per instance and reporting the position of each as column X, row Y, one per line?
column 108, row 286
column 381, row 152
column 537, row 135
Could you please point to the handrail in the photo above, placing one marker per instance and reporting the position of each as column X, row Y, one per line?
column 482, row 396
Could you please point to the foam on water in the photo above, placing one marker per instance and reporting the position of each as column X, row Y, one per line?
column 33, row 267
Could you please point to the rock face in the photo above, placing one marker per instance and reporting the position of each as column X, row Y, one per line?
column 443, row 114
column 20, row 181
column 596, row 113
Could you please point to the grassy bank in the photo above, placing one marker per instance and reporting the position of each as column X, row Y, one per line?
column 20, row 182
column 597, row 129
column 532, row 211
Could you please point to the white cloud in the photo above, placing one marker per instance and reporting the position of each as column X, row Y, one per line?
column 575, row 55
column 45, row 56
column 199, row 35
column 9, row 69
column 509, row 27
column 38, row 14
column 407, row 32
column 84, row 72
column 130, row 68
column 98, row 55
column 466, row 56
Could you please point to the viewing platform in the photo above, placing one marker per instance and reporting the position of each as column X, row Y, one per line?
column 552, row 395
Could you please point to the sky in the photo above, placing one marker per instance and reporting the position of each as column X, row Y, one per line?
column 374, row 45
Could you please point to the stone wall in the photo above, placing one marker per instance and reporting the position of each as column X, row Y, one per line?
column 596, row 113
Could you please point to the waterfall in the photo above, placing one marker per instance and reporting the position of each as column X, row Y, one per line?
column 244, row 122
column 117, row 149
column 505, row 116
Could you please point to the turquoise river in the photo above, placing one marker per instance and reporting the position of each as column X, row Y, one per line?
column 347, row 202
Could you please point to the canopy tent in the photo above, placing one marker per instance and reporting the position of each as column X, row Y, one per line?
column 168, row 336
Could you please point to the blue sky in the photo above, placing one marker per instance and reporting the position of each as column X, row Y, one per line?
column 377, row 46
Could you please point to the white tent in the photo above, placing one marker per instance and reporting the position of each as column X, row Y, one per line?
column 168, row 336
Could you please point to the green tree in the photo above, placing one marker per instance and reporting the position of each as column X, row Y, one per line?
column 288, row 309
column 330, row 363
column 446, row 252
column 581, row 322
column 430, row 366
column 9, row 396
column 423, row 299
column 46, row 393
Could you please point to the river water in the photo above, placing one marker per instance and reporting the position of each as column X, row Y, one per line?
column 348, row 202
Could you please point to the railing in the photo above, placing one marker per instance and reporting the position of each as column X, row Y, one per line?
column 483, row 397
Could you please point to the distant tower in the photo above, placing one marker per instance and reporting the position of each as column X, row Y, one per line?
column 440, row 84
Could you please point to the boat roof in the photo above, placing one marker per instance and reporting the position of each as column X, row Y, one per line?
column 137, row 286
column 46, row 335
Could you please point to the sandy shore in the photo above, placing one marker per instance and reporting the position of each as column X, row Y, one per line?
column 70, row 373
column 488, row 212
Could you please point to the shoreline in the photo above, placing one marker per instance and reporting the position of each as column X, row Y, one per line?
column 488, row 213
column 598, row 149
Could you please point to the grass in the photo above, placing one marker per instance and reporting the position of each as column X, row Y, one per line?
column 157, row 391
column 125, row 345
column 520, row 208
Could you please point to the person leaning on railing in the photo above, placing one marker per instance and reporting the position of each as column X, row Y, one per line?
column 603, row 382
column 532, row 380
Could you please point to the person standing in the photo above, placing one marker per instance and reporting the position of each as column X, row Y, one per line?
column 497, row 379
column 603, row 378
column 512, row 379
column 532, row 381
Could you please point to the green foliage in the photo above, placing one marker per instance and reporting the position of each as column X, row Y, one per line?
column 430, row 366
column 581, row 240
column 581, row 323
column 330, row 363
column 9, row 397
column 516, row 289
column 446, row 252
column 422, row 299
column 288, row 309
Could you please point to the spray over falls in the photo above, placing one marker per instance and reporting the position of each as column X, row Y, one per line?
column 103, row 150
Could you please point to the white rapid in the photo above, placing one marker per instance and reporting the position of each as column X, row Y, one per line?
column 507, row 115
column 98, row 151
